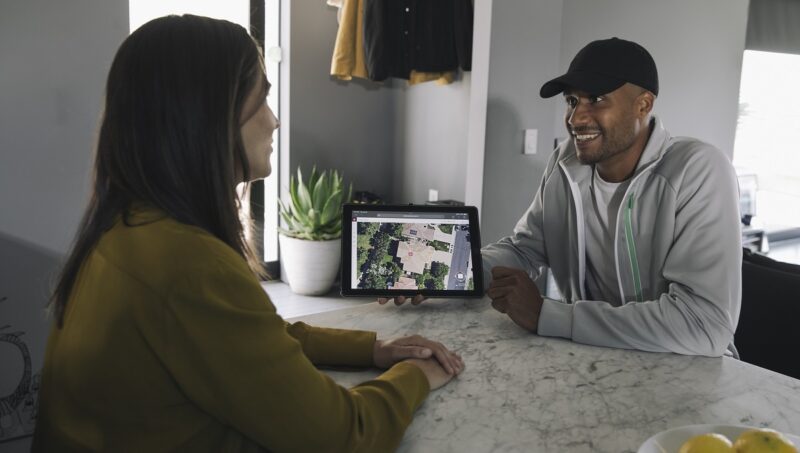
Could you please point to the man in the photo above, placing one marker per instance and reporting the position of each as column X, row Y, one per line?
column 640, row 229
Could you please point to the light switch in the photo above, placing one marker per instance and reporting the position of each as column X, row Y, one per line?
column 531, row 137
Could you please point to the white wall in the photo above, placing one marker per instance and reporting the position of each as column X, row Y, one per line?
column 697, row 46
column 524, row 54
column 431, row 140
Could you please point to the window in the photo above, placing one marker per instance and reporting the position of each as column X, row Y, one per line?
column 236, row 11
column 766, row 146
column 245, row 13
column 272, row 58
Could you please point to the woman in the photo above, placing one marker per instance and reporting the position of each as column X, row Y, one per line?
column 164, row 338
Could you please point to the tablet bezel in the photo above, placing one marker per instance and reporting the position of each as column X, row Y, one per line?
column 475, row 250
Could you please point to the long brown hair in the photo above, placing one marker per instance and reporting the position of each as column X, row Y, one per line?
column 170, row 134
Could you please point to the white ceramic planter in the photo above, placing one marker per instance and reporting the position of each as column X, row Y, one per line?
column 310, row 267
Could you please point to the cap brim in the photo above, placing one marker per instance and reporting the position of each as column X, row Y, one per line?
column 592, row 83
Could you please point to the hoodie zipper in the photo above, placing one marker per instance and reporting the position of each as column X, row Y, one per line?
column 625, row 215
column 637, row 281
column 629, row 240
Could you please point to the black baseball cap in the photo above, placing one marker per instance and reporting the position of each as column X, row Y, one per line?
column 605, row 65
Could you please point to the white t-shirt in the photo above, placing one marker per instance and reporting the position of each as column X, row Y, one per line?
column 600, row 211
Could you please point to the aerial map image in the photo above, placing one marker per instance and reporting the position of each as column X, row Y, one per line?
column 413, row 256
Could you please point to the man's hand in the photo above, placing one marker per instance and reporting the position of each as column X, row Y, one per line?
column 400, row 300
column 388, row 352
column 513, row 292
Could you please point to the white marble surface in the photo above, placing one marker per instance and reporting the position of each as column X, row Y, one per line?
column 289, row 304
column 522, row 392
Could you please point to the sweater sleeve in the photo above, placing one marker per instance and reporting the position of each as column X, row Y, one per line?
column 525, row 248
column 326, row 346
column 233, row 356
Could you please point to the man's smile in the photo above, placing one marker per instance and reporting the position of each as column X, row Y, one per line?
column 585, row 137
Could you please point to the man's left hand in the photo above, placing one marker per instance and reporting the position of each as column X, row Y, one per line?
column 513, row 292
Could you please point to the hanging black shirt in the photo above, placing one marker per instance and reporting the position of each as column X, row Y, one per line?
column 420, row 35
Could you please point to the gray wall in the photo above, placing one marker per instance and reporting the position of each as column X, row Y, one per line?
column 524, row 54
column 26, row 272
column 55, row 57
column 348, row 126
column 431, row 147
column 698, row 50
column 697, row 45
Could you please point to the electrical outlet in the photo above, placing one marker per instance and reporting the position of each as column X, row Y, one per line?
column 531, row 137
column 433, row 195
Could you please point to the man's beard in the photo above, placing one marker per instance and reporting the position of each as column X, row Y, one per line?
column 611, row 144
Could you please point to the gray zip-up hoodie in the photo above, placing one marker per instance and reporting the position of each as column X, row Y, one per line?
column 678, row 251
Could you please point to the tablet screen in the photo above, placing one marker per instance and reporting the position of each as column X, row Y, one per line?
column 408, row 250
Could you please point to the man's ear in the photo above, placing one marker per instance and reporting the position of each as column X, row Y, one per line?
column 644, row 103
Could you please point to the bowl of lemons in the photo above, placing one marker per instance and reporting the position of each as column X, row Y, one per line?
column 721, row 439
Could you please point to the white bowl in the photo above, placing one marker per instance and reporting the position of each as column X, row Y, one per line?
column 670, row 441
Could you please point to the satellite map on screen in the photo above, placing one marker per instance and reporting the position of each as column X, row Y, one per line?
column 420, row 255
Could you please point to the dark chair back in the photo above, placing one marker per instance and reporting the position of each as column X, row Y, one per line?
column 768, row 334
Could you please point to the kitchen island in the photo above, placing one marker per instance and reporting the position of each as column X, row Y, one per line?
column 522, row 392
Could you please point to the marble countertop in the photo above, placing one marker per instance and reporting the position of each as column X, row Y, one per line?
column 522, row 392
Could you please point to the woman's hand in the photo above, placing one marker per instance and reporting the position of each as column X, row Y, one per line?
column 388, row 352
column 436, row 375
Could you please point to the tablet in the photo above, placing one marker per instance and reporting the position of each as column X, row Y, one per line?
column 405, row 250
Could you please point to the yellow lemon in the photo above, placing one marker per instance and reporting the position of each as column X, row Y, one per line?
column 763, row 441
column 707, row 443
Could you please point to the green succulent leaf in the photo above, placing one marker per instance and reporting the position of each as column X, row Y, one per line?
column 300, row 215
column 312, row 180
column 286, row 215
column 293, row 191
column 304, row 197
column 332, row 207
column 314, row 209
column 336, row 182
column 320, row 190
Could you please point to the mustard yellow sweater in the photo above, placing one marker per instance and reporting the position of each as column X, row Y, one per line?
column 170, row 344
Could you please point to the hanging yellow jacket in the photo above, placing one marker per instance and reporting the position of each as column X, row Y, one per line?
column 170, row 343
column 348, row 52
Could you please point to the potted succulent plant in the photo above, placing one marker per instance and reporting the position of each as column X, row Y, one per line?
column 310, row 240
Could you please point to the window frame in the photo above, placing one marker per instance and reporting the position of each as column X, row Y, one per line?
column 257, row 188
